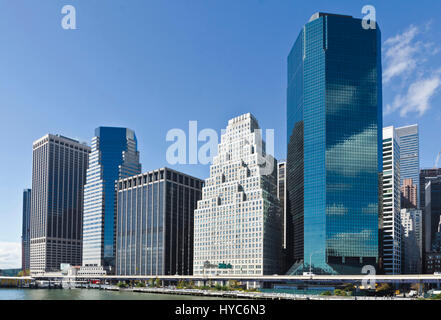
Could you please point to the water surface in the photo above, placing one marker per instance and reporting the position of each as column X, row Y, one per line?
column 89, row 294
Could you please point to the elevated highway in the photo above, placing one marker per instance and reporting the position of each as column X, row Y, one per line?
column 421, row 278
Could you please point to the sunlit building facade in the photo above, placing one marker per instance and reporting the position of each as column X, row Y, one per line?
column 238, row 222
column 409, row 194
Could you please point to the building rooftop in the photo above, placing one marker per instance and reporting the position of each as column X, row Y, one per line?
column 317, row 15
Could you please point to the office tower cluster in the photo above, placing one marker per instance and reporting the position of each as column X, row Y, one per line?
column 93, row 209
column 402, row 246
column 350, row 193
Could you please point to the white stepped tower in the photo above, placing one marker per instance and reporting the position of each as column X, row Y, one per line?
column 238, row 224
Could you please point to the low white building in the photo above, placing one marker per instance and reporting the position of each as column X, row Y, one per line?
column 91, row 271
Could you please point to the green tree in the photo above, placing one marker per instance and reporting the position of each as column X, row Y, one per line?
column 339, row 292
column 122, row 284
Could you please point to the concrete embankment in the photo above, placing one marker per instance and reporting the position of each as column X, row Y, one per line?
column 249, row 295
column 243, row 295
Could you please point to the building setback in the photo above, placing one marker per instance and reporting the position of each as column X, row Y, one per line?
column 238, row 223
column 58, row 176
column 26, row 230
column 334, row 134
column 154, row 223
column 114, row 156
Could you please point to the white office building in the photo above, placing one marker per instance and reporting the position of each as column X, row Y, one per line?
column 391, row 202
column 238, row 223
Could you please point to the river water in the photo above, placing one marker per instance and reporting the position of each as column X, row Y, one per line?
column 88, row 294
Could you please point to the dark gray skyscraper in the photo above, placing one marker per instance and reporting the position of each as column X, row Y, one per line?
column 58, row 175
column 155, row 220
column 26, row 231
column 425, row 176
column 334, row 134
column 432, row 211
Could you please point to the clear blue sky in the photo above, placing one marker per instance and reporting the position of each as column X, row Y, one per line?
column 154, row 65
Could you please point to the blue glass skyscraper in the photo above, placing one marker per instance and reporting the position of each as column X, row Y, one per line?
column 334, row 134
column 114, row 156
column 410, row 156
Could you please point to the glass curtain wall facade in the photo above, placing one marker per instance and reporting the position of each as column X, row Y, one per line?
column 155, row 223
column 334, row 134
column 410, row 155
column 114, row 156
column 26, row 230
column 58, row 176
